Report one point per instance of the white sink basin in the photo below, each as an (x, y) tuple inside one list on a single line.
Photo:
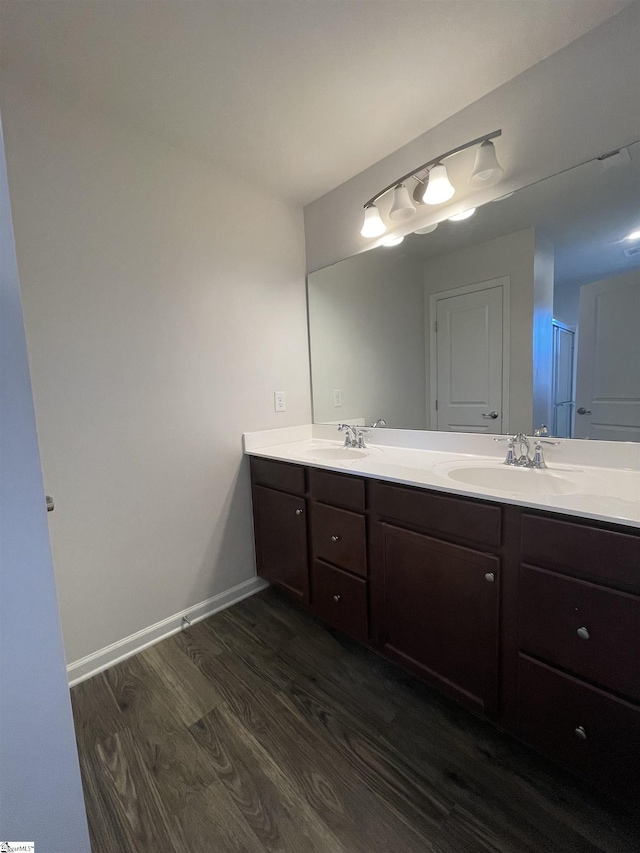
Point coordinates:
[(504, 478), (335, 454)]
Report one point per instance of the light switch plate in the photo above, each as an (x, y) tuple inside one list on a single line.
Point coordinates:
[(337, 398), (280, 401)]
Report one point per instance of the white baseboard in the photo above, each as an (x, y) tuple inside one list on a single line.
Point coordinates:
[(96, 662)]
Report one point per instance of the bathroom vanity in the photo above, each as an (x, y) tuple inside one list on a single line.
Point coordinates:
[(519, 606)]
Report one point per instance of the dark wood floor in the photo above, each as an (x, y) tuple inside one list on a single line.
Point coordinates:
[(258, 730)]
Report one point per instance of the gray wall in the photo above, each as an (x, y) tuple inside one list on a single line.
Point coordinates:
[(576, 104), (40, 792), (160, 320), (367, 339)]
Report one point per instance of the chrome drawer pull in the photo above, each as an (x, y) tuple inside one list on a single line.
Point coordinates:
[(337, 597), (298, 512), (490, 577), (335, 538), (583, 633), (581, 733)]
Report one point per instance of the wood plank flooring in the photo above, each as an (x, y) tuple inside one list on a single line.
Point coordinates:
[(260, 730)]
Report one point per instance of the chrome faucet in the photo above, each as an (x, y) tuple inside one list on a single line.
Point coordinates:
[(351, 436), (523, 458), (379, 423), (354, 435)]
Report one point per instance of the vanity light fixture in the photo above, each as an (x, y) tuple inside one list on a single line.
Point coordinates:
[(432, 184), (428, 229), (634, 235), (459, 217), (373, 225), (392, 241), (486, 171), (401, 207), (439, 188)]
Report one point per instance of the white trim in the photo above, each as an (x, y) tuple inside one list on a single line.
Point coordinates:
[(96, 662), (505, 283)]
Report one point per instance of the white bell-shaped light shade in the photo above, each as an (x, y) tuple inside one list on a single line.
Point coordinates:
[(459, 217), (401, 207), (392, 241), (428, 229), (418, 192), (486, 171), (438, 189), (373, 226)]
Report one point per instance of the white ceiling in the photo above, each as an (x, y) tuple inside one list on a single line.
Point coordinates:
[(299, 95)]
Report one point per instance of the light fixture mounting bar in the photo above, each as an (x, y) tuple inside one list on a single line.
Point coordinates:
[(414, 172)]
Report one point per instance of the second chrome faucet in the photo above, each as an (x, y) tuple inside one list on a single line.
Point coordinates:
[(519, 449)]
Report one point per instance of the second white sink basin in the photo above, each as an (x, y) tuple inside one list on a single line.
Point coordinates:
[(504, 478)]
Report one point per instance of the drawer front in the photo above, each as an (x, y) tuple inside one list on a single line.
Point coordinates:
[(592, 631), (340, 600), (473, 522), (582, 551), (278, 475), (582, 727), (337, 489), (339, 536)]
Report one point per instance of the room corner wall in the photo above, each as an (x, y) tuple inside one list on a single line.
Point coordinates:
[(40, 790), (159, 320)]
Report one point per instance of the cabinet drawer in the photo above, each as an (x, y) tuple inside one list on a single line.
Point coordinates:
[(582, 551), (340, 600), (278, 475), (459, 518), (337, 489), (553, 609), (582, 727), (339, 536)]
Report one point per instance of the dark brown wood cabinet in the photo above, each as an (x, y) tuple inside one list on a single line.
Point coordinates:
[(578, 684), (439, 613), (528, 618), (340, 600), (281, 541), (339, 550), (589, 730)]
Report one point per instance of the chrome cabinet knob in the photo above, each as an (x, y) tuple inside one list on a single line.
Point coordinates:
[(583, 411), (583, 633), (580, 733), (337, 597), (49, 502), (298, 512), (490, 577), (491, 416), (335, 538)]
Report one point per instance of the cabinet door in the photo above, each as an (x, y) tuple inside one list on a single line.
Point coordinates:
[(438, 608), (281, 541)]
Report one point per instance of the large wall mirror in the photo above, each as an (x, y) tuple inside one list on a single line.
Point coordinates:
[(527, 312)]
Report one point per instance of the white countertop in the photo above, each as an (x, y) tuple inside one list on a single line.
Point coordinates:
[(604, 492)]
